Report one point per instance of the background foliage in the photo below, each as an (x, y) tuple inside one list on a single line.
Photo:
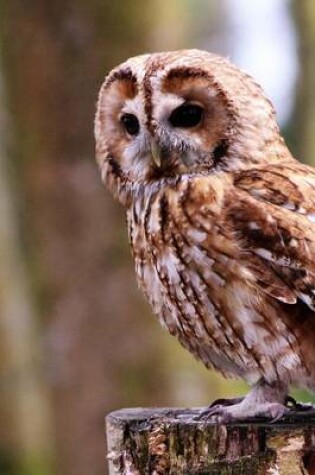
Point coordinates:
[(77, 338)]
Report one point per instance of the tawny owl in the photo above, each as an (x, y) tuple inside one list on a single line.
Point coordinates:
[(221, 218)]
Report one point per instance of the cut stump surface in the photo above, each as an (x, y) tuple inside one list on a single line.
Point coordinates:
[(171, 441)]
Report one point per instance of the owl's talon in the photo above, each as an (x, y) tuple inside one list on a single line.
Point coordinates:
[(215, 411), (277, 411), (222, 417), (205, 414), (217, 405), (226, 402)]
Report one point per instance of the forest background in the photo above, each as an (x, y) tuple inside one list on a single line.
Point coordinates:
[(77, 339)]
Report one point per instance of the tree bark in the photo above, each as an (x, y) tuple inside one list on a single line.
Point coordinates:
[(172, 441)]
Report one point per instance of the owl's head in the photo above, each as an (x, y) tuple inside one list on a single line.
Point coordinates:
[(163, 115)]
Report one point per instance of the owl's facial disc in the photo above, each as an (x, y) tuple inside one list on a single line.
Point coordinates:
[(165, 129)]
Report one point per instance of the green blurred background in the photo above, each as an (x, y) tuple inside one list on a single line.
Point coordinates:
[(77, 339)]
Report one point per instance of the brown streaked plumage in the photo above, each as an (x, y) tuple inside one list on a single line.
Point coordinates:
[(221, 218)]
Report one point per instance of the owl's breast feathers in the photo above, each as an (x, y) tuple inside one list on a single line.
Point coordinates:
[(228, 263)]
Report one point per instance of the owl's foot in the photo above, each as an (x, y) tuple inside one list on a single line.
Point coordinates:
[(264, 400), (238, 412), (227, 410)]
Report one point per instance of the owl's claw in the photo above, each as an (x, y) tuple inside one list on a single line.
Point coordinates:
[(239, 411), (227, 410), (226, 402), (265, 400), (207, 412)]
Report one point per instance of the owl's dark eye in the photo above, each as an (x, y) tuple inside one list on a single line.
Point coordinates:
[(130, 124), (186, 116)]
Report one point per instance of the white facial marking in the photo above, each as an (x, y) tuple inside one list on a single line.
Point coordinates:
[(165, 103)]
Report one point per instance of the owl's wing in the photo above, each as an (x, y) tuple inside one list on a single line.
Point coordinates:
[(272, 212)]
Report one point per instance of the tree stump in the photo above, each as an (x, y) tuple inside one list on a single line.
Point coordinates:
[(171, 441)]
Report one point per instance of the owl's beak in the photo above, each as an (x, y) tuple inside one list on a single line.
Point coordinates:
[(156, 153)]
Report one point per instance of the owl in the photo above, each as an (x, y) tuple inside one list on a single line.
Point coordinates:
[(221, 219)]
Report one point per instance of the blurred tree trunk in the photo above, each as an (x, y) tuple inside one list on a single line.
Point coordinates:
[(56, 55), (24, 409), (303, 122)]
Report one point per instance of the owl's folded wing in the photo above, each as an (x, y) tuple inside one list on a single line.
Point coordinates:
[(272, 213)]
